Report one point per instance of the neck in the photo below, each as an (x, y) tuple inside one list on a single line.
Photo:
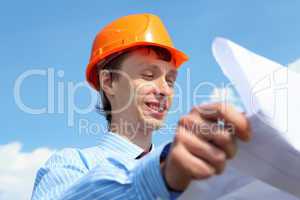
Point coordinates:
[(136, 134)]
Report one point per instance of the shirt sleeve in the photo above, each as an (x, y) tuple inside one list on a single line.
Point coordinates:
[(106, 181), (58, 174)]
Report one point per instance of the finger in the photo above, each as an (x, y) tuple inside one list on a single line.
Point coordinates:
[(193, 166), (227, 112), (205, 151), (195, 124), (224, 140), (211, 132)]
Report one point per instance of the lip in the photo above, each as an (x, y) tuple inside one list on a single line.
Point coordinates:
[(156, 113)]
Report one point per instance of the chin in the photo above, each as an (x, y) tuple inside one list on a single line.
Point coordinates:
[(153, 123), (150, 122)]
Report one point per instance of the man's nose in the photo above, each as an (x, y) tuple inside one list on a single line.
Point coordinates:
[(163, 88)]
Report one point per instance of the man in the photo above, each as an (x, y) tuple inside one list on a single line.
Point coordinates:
[(134, 66)]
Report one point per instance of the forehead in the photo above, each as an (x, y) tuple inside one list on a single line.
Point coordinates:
[(147, 57)]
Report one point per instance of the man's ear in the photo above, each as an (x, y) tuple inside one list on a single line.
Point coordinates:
[(106, 82)]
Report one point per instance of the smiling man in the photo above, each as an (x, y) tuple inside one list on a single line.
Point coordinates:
[(134, 66)]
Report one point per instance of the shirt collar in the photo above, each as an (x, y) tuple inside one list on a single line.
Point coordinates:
[(117, 144)]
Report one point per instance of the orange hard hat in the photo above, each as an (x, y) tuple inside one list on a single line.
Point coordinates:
[(127, 32)]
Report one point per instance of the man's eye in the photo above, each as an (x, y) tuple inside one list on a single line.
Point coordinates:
[(170, 83), (148, 76)]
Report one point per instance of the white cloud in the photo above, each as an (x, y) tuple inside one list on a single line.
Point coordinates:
[(295, 66), (18, 170)]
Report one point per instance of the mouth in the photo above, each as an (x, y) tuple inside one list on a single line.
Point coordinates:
[(158, 109)]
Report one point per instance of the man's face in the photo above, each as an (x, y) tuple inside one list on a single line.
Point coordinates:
[(144, 89)]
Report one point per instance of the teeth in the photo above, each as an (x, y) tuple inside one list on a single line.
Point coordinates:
[(153, 107), (159, 108)]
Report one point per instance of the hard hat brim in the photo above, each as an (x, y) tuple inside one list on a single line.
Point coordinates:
[(92, 73)]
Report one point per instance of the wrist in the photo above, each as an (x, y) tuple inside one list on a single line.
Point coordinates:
[(163, 167)]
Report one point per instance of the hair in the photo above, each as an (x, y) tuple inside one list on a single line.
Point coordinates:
[(114, 62)]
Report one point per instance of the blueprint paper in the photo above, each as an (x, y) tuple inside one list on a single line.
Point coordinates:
[(271, 97)]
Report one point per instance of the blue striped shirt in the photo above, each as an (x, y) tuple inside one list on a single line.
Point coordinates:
[(106, 171)]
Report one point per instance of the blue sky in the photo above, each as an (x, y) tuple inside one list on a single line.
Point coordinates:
[(55, 34)]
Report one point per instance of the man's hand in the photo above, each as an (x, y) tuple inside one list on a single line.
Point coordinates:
[(202, 145)]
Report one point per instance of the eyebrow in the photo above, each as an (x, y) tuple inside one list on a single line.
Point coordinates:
[(153, 66), (173, 72), (156, 67)]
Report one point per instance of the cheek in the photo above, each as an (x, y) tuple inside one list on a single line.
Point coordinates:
[(170, 99), (124, 93), (143, 89)]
